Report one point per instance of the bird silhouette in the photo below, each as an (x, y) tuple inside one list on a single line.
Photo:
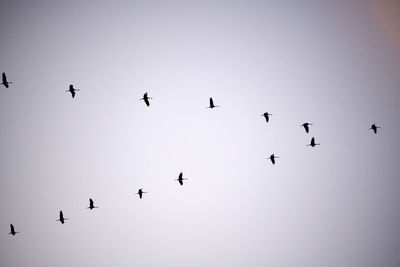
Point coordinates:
[(12, 231), (212, 104), (62, 219), (180, 178), (146, 99), (374, 128), (72, 90), (5, 82), (272, 158), (140, 193), (266, 116), (305, 125), (312, 143), (91, 204)]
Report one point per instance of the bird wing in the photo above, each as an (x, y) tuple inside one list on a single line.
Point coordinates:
[(61, 215), (91, 202), (180, 181), (146, 100), (306, 128), (181, 175), (211, 102), (4, 78), (12, 228)]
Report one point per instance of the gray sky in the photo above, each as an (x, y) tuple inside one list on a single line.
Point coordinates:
[(332, 63)]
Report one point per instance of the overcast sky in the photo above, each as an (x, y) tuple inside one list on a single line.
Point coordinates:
[(331, 63)]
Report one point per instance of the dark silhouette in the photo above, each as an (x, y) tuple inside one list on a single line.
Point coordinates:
[(12, 231), (140, 193), (305, 125), (72, 90), (180, 178), (272, 158), (5, 82), (62, 219), (212, 104), (91, 204), (312, 143), (146, 99), (266, 116), (374, 128)]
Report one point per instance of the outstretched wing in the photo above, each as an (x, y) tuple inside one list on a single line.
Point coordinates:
[(4, 78), (306, 128), (146, 100), (211, 102)]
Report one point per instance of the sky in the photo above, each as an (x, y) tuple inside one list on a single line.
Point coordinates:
[(331, 63)]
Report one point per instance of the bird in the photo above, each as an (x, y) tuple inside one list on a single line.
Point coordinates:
[(146, 99), (180, 178), (374, 128), (272, 158), (312, 143), (140, 193), (91, 204), (62, 219), (266, 116), (72, 90), (305, 125), (12, 231), (5, 82), (212, 104)]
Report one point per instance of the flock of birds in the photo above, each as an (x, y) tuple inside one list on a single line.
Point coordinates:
[(180, 179)]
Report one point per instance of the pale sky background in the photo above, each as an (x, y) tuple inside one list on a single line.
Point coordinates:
[(332, 63)]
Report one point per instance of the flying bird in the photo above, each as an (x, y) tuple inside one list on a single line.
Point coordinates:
[(91, 204), (5, 82), (62, 219), (12, 231), (266, 116), (212, 104), (374, 128), (305, 125), (180, 178), (312, 143), (146, 99), (72, 90), (272, 158), (140, 193)]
